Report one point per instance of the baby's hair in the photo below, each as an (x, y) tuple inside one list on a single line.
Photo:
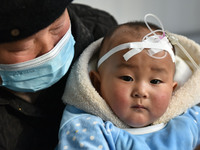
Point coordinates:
[(133, 24)]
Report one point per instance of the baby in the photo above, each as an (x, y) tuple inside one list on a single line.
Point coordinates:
[(134, 79)]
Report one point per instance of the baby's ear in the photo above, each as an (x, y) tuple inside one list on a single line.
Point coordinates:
[(95, 79), (174, 85)]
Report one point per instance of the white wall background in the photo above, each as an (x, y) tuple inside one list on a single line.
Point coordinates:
[(178, 16)]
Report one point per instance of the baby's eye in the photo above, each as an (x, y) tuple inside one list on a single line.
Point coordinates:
[(155, 81), (126, 78)]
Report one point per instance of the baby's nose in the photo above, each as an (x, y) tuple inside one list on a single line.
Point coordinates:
[(140, 91)]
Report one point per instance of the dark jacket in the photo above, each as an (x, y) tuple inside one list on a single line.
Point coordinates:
[(25, 126)]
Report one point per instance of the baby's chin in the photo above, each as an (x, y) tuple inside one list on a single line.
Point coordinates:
[(140, 124)]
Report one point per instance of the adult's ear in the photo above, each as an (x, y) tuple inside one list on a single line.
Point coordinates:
[(95, 79)]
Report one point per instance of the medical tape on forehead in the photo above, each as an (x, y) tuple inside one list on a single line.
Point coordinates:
[(137, 47)]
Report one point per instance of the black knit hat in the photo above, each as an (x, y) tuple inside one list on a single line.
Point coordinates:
[(22, 18)]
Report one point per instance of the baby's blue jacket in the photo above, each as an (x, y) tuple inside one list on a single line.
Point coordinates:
[(80, 130)]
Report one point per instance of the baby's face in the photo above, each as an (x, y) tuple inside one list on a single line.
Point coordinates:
[(138, 90)]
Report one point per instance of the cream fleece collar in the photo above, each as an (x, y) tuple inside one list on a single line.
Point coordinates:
[(80, 93)]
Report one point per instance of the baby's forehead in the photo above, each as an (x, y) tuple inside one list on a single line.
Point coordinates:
[(143, 60), (121, 35)]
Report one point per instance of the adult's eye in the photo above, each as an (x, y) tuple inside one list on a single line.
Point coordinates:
[(55, 30), (155, 81), (126, 78)]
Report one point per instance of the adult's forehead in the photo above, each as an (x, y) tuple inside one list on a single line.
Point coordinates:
[(22, 18)]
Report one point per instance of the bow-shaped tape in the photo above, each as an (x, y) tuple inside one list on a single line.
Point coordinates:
[(154, 45)]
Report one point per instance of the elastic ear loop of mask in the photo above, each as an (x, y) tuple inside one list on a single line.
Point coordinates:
[(174, 41)]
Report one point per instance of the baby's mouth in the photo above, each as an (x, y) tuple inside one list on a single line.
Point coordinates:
[(139, 107)]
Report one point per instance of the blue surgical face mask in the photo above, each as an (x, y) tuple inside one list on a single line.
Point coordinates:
[(41, 72)]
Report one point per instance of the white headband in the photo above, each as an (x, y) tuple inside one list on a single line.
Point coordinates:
[(151, 42), (155, 43)]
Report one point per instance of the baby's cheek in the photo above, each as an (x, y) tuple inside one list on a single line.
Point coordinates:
[(162, 101), (121, 99)]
